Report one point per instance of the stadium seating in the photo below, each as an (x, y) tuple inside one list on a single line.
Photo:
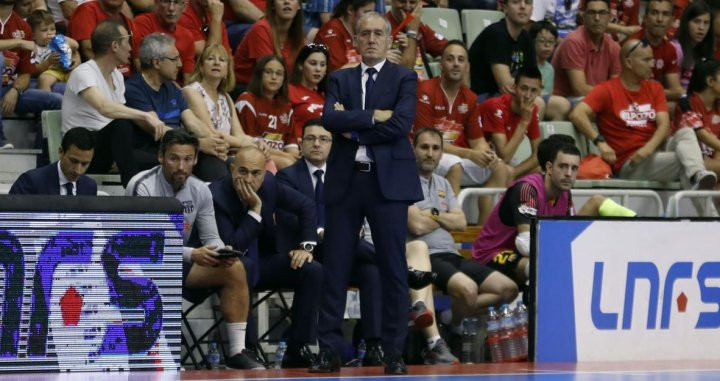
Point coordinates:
[(475, 20), (444, 21)]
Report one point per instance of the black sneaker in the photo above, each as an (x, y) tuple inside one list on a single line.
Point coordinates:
[(420, 279), (245, 360)]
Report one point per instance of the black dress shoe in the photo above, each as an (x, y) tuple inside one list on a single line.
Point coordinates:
[(246, 359), (394, 364), (327, 362), (420, 279), (298, 357), (373, 355)]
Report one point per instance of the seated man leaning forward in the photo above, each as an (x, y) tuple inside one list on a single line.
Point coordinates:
[(202, 267), (504, 241)]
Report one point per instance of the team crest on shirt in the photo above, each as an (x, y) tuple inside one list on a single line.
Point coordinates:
[(638, 115), (498, 113), (425, 99), (463, 108), (285, 118), (659, 63), (18, 33)]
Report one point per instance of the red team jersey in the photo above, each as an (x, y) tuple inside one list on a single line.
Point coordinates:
[(257, 43), (496, 116), (666, 59), (306, 104), (86, 17), (197, 25), (148, 23), (270, 120), (229, 14), (698, 117), (456, 123), (17, 61), (336, 37), (626, 118)]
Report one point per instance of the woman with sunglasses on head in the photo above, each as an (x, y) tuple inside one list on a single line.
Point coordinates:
[(279, 33), (266, 113), (337, 34), (307, 84), (208, 98), (701, 111), (695, 40)]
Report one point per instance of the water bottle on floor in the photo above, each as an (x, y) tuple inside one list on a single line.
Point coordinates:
[(508, 340), (521, 319), (213, 355), (468, 338), (493, 335), (280, 353)]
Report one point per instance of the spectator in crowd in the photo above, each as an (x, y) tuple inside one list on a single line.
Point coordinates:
[(500, 50), (308, 81), (266, 113), (504, 242), (47, 62), (95, 98), (317, 13), (246, 202), (544, 37), (447, 104), (208, 98), (16, 47), (279, 33), (632, 119), (701, 113), (239, 16), (307, 176), (86, 19), (24, 8), (370, 110), (66, 177), (204, 19), (588, 55), (58, 11), (471, 285), (421, 39), (153, 90), (203, 270), (658, 16), (562, 13), (624, 17), (678, 10), (338, 33), (164, 19), (695, 39), (508, 119)]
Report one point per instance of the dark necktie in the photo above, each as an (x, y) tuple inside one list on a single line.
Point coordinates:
[(369, 85), (319, 194), (69, 189)]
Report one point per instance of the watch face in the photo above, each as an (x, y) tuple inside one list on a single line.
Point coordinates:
[(308, 247)]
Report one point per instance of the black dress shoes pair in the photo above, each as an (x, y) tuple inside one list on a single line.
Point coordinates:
[(298, 357), (329, 362)]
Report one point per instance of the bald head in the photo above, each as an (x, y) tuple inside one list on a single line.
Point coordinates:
[(637, 60), (249, 167)]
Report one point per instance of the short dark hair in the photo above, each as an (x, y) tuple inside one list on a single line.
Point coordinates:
[(607, 2), (342, 7), (426, 130), (80, 137), (178, 136), (104, 35), (547, 25), (549, 148), (454, 42), (40, 17), (310, 123), (256, 86), (531, 72)]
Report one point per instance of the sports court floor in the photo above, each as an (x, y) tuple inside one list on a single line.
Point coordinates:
[(626, 371)]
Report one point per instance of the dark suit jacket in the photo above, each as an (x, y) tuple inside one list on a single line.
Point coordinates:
[(296, 176), (395, 89), (240, 230), (45, 180)]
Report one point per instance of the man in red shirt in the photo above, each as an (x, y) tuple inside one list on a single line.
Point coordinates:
[(447, 104), (165, 20), (87, 16), (421, 39), (632, 118), (506, 120), (658, 16), (203, 18), (588, 55)]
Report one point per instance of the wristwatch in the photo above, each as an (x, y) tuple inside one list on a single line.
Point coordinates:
[(435, 213), (599, 139), (307, 246)]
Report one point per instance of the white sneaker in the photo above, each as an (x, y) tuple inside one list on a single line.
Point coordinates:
[(704, 180), (4, 144)]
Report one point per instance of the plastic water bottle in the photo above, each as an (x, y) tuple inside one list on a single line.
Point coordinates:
[(521, 320), (510, 349), (468, 337), (361, 348), (493, 335), (280, 353), (213, 355)]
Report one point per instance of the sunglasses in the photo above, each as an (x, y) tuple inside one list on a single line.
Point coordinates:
[(317, 47), (644, 42)]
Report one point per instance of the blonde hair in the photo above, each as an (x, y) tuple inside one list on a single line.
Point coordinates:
[(227, 84)]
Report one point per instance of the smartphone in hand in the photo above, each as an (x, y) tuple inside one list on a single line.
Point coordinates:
[(230, 253)]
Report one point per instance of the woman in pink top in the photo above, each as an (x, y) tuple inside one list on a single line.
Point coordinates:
[(307, 84)]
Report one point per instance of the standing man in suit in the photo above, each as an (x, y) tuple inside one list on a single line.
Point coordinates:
[(67, 175), (370, 174), (246, 203)]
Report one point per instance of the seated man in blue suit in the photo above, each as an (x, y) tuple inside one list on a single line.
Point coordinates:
[(246, 202), (67, 175), (307, 176)]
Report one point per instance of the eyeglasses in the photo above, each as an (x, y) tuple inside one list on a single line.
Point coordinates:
[(313, 139), (315, 46), (173, 59), (129, 37), (176, 2), (593, 13), (644, 42), (545, 42)]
